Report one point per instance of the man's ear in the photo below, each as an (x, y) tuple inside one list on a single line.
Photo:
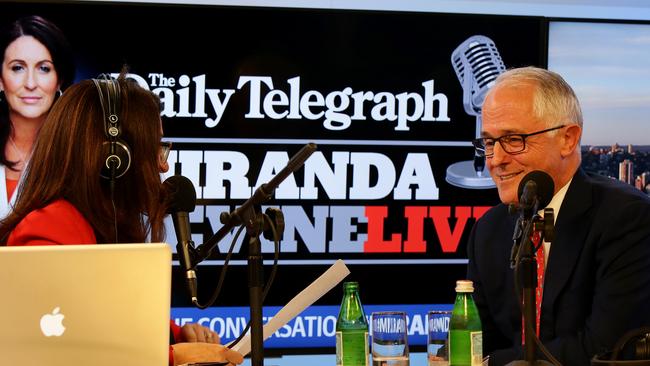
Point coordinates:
[(571, 139)]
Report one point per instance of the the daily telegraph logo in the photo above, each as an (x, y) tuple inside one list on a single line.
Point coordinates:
[(337, 109), (345, 201)]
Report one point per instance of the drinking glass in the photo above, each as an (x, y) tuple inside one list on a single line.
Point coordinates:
[(437, 337), (389, 339)]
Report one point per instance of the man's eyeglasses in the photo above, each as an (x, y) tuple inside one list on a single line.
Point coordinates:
[(512, 143), (165, 147)]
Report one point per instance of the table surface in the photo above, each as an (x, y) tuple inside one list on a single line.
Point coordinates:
[(416, 359)]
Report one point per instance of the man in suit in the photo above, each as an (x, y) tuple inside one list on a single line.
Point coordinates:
[(596, 282)]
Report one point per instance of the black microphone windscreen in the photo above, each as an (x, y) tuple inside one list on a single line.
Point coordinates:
[(181, 193), (545, 186)]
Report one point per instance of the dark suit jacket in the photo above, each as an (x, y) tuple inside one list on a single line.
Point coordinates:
[(597, 281)]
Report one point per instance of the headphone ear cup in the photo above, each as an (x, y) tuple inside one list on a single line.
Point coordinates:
[(120, 159)]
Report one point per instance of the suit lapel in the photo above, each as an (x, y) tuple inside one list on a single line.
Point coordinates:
[(570, 232)]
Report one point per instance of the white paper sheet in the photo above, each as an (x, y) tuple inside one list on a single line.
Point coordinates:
[(335, 274)]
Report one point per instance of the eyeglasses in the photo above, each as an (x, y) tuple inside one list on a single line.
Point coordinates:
[(165, 147), (514, 143)]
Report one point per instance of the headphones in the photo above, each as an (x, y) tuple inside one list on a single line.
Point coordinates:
[(641, 350), (116, 152)]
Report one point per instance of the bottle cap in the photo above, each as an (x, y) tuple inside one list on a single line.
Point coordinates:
[(464, 286)]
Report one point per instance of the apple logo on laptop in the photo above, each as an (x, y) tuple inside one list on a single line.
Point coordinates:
[(52, 324)]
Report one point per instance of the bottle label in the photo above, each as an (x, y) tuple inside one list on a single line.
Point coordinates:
[(477, 348), (352, 348), (339, 349)]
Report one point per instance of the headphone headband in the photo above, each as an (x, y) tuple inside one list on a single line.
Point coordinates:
[(110, 103), (117, 153)]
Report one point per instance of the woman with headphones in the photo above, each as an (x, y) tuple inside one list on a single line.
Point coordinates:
[(94, 177)]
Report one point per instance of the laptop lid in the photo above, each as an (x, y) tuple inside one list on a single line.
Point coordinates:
[(85, 305)]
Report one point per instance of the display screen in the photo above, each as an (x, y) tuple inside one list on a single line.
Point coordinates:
[(244, 89)]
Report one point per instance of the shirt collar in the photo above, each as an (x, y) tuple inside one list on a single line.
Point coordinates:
[(556, 201)]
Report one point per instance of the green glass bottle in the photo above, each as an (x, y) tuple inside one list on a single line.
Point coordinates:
[(465, 335), (351, 329)]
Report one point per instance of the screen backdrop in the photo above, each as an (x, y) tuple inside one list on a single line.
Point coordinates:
[(244, 89)]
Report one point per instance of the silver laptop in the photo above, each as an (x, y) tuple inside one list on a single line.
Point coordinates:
[(85, 305)]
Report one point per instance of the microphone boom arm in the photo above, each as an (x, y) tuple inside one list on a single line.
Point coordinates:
[(246, 213)]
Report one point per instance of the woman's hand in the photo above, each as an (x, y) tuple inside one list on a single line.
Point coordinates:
[(204, 352), (192, 332)]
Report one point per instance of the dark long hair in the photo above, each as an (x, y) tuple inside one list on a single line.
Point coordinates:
[(68, 158), (53, 39)]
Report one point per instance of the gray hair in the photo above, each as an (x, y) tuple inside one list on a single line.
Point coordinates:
[(554, 101)]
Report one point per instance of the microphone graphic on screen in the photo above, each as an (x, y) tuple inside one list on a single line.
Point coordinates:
[(182, 201), (477, 64)]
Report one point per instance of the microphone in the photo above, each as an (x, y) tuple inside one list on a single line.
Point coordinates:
[(477, 64), (535, 191), (182, 201)]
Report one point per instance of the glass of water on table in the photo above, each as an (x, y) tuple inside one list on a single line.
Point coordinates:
[(389, 339), (437, 338)]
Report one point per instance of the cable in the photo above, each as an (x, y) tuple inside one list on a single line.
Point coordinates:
[(222, 275), (224, 270), (112, 192)]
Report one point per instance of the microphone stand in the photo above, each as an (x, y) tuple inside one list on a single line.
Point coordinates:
[(528, 264), (523, 248), (255, 290), (255, 283), (250, 215)]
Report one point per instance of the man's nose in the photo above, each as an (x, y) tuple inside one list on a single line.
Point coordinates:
[(499, 154)]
